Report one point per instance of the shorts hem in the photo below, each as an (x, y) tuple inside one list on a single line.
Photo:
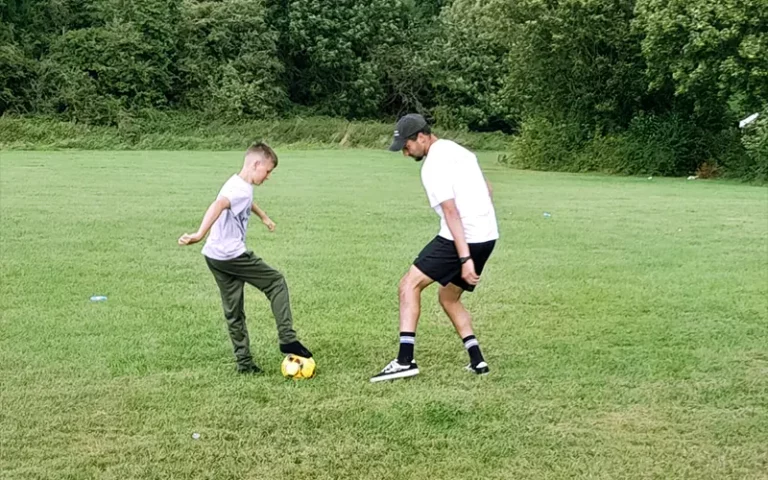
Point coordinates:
[(431, 276)]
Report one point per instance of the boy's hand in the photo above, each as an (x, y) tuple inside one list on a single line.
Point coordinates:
[(189, 239), (269, 223)]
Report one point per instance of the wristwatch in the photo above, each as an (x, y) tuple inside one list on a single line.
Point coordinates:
[(464, 260)]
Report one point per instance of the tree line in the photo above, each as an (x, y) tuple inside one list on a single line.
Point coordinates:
[(630, 86)]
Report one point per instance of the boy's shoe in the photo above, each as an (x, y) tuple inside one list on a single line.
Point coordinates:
[(395, 370), (480, 369), (296, 348), (251, 369)]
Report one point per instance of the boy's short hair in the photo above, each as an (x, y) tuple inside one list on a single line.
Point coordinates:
[(264, 150)]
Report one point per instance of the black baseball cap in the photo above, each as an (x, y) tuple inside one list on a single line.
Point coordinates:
[(408, 125)]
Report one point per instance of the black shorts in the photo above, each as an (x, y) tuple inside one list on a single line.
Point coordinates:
[(439, 260)]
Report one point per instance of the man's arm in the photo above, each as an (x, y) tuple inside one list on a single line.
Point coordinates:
[(453, 219), (211, 215), (490, 187), (263, 216)]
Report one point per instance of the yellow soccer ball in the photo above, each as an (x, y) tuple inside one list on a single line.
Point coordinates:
[(308, 369), (297, 367)]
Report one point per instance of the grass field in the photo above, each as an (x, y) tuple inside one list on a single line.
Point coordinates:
[(627, 333)]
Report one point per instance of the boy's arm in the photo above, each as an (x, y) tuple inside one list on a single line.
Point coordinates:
[(211, 215), (263, 216)]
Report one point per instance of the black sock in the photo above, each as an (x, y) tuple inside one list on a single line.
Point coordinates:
[(407, 341), (473, 348)]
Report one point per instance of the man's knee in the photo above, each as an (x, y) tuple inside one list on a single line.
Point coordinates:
[(449, 298), (413, 283), (408, 285)]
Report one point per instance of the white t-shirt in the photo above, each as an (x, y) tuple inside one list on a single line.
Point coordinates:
[(227, 237), (450, 171)]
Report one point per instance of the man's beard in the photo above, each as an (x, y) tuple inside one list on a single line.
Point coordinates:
[(418, 159)]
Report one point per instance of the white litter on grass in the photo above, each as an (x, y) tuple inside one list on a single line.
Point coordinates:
[(547, 214), (196, 436), (692, 177), (748, 120), (650, 178)]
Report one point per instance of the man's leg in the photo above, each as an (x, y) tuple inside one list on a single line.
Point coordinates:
[(411, 286), (232, 301), (450, 300)]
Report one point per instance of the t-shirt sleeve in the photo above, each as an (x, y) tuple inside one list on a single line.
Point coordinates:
[(238, 199), (439, 182)]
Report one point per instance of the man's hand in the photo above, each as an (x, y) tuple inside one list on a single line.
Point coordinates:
[(269, 223), (189, 239), (468, 272)]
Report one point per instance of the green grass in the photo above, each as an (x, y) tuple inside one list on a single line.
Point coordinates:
[(627, 334)]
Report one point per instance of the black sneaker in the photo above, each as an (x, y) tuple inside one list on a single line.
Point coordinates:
[(395, 370), (251, 369), (296, 348), (480, 369)]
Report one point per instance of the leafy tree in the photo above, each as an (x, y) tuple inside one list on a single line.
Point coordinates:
[(229, 63), (708, 53)]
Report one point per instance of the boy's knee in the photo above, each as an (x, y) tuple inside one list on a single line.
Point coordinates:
[(277, 284)]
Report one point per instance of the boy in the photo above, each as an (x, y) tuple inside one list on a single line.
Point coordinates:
[(233, 265)]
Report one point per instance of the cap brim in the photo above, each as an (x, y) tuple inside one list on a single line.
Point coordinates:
[(397, 145)]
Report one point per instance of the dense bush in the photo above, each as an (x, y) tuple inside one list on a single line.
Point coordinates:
[(755, 141), (626, 86), (708, 53), (332, 50), (152, 129), (228, 63), (469, 68), (17, 75)]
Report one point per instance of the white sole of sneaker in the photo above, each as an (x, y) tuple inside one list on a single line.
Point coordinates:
[(479, 374), (395, 376)]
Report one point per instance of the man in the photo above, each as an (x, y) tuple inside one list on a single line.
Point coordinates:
[(233, 265), (456, 188)]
